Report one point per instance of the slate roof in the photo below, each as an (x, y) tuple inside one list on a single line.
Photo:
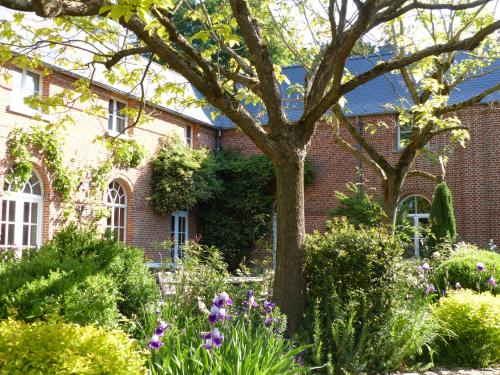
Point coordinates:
[(372, 97)]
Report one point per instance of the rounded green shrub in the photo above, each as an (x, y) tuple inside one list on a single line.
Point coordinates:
[(81, 275), (474, 320), (59, 348), (351, 275), (461, 267)]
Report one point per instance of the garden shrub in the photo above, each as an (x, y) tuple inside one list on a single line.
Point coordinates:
[(474, 320), (181, 176), (442, 216), (358, 207), (240, 213), (83, 276), (351, 277), (60, 348), (461, 267)]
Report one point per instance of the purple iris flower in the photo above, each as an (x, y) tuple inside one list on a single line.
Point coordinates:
[(158, 311), (214, 313), (162, 327), (155, 342), (269, 306), (223, 299), (429, 289), (222, 314), (250, 293), (212, 339), (492, 282), (480, 266), (268, 321), (425, 267), (458, 285)]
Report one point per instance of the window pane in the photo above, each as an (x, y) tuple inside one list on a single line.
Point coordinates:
[(12, 210), (172, 226), (34, 212), (120, 124), (10, 235), (26, 229), (122, 234), (4, 209), (27, 188), (32, 83), (122, 217), (17, 77), (33, 235), (3, 235), (117, 216), (109, 218), (423, 206), (26, 212), (119, 107), (110, 116), (115, 234)]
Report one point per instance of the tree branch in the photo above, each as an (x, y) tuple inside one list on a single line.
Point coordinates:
[(262, 61), (419, 173), (56, 8), (466, 103), (118, 56), (356, 153), (377, 158), (446, 130)]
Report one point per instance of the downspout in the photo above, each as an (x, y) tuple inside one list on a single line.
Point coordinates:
[(359, 162), (218, 140)]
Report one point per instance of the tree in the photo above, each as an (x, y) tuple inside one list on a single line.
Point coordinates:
[(442, 217), (336, 25), (428, 112)]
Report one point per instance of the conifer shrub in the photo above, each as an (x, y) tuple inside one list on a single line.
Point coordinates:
[(61, 348), (442, 216)]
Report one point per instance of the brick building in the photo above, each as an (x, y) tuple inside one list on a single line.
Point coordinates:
[(32, 215)]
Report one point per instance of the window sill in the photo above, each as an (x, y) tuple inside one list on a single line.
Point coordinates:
[(22, 109), (114, 134)]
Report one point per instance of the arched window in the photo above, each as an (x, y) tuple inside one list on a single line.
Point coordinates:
[(21, 220), (415, 210), (116, 200)]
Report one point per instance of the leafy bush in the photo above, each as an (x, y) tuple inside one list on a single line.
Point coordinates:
[(474, 320), (358, 207), (59, 348), (81, 275), (240, 213), (181, 177), (461, 267), (352, 285)]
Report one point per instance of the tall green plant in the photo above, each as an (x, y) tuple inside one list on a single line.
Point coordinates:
[(442, 217)]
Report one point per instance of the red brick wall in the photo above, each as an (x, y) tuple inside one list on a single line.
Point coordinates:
[(145, 227), (473, 174)]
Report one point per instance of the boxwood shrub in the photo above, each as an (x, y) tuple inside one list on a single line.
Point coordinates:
[(462, 267), (85, 277), (474, 320), (352, 285), (60, 348)]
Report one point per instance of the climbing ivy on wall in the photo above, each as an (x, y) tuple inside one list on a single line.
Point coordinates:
[(233, 195), (47, 141)]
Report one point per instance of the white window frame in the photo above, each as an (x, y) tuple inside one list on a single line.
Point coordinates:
[(188, 140), (176, 247), (416, 217), (20, 198), (399, 147), (17, 104), (115, 115), (112, 206)]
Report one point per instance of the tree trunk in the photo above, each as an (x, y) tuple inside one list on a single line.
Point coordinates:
[(289, 281), (391, 191)]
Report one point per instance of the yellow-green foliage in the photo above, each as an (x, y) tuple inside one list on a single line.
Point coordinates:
[(475, 321), (59, 348)]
